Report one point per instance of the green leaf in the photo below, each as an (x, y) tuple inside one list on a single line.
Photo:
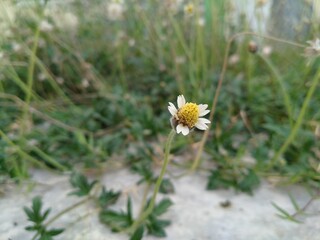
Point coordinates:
[(81, 184), (143, 169), (138, 234), (156, 227), (108, 198), (55, 232), (294, 203), (129, 209), (284, 214), (36, 207), (162, 207), (35, 216), (249, 182), (166, 186), (30, 228), (45, 236), (216, 180), (29, 213), (34, 213), (45, 215), (116, 220)]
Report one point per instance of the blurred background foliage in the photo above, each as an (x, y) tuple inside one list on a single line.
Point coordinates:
[(85, 82)]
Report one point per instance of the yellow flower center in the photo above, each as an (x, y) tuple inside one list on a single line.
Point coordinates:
[(189, 8), (188, 115)]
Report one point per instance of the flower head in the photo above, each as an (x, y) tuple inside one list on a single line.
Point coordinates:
[(188, 116), (45, 26), (313, 51), (115, 10), (314, 48), (189, 9)]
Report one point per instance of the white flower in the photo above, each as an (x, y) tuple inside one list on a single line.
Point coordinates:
[(173, 5), (314, 48), (65, 21), (42, 77), (267, 50), (115, 10), (201, 22), (234, 59), (313, 51), (131, 42), (45, 26), (180, 60), (188, 115), (16, 47), (85, 83), (315, 45), (189, 9)]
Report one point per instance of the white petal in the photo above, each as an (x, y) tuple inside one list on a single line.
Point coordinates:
[(202, 107), (182, 129), (185, 131), (172, 109), (204, 120), (203, 113), (201, 124), (181, 101)]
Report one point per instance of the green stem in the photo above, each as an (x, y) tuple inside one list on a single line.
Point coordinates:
[(286, 97), (298, 123), (68, 209), (30, 76), (144, 198), (121, 68), (49, 159), (185, 48), (22, 154), (150, 207)]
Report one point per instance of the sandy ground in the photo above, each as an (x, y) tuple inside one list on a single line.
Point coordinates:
[(196, 214)]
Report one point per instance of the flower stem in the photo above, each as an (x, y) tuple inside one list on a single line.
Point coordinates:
[(150, 207)]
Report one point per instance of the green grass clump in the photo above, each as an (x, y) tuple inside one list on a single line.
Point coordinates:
[(81, 83)]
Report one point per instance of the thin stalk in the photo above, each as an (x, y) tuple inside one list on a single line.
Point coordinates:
[(144, 198), (22, 154), (121, 68), (42, 115), (16, 167), (49, 159), (1, 86), (68, 209), (218, 89), (298, 123), (286, 97), (52, 82), (184, 46), (12, 74), (30, 79), (150, 207)]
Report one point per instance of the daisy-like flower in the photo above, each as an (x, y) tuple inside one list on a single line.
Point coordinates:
[(313, 51), (314, 48), (189, 9), (116, 10), (188, 116)]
